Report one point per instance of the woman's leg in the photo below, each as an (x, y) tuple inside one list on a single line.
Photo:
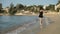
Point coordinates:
[(40, 21)]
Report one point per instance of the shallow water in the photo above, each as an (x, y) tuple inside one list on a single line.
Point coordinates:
[(10, 22)]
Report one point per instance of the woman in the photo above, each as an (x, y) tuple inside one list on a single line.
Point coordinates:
[(41, 16)]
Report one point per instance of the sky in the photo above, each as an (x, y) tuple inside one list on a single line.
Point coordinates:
[(6, 3)]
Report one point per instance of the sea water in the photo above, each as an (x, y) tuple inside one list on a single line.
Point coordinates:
[(27, 24)]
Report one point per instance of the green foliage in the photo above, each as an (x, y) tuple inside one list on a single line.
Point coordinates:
[(1, 11), (50, 7), (12, 9), (47, 8), (13, 12), (19, 6), (32, 8), (58, 2), (40, 6), (58, 9)]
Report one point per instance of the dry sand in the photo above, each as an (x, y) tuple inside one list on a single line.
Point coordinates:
[(53, 28)]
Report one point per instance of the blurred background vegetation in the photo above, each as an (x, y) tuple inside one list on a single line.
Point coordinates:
[(12, 10)]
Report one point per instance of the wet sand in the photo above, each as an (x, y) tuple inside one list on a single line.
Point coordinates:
[(53, 28)]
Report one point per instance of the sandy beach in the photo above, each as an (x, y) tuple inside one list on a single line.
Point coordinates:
[(53, 28)]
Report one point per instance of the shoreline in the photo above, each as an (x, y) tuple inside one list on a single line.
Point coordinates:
[(29, 14), (50, 28)]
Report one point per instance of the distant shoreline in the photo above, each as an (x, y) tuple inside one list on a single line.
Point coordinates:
[(29, 14)]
